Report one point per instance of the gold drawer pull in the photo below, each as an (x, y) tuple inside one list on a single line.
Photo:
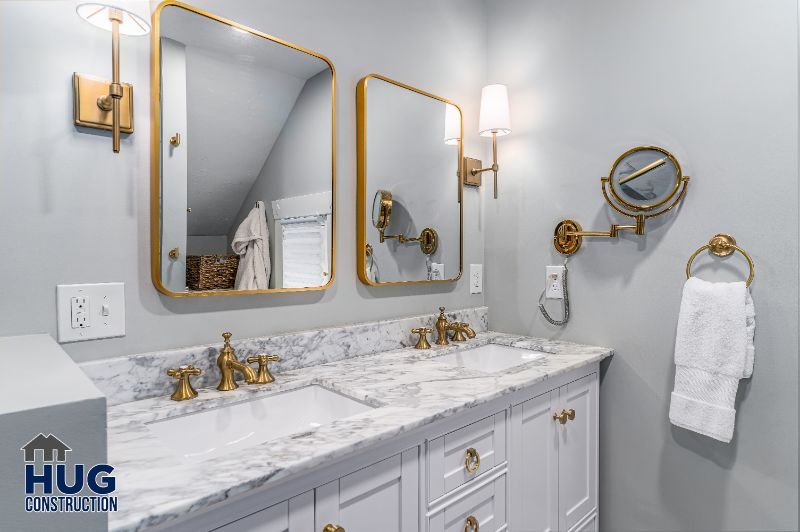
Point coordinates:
[(564, 416), (472, 461), (332, 528), (471, 524)]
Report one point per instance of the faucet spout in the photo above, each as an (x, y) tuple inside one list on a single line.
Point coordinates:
[(228, 364), (468, 330), (247, 372)]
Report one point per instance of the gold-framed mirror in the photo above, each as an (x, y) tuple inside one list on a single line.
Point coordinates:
[(409, 157), (243, 159), (644, 182)]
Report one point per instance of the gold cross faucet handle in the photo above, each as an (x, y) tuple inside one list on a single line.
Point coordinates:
[(184, 389), (264, 376), (423, 333)]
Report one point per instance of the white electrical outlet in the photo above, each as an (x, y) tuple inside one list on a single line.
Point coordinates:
[(79, 311), (437, 271), (90, 311), (554, 287), (475, 278)]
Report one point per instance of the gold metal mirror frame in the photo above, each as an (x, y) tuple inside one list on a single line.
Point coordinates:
[(568, 235), (155, 154), (428, 239)]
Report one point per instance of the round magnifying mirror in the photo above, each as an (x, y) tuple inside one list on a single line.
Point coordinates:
[(381, 209), (645, 178)]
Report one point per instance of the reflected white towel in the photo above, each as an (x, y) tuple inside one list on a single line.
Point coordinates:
[(251, 243), (713, 350)]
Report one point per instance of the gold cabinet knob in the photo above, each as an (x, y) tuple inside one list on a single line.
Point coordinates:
[(564, 416), (332, 528), (174, 253), (175, 140), (472, 460), (264, 376), (184, 389), (471, 524), (423, 333)]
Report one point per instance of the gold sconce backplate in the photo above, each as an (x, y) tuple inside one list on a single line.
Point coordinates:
[(564, 238), (472, 175), (87, 90)]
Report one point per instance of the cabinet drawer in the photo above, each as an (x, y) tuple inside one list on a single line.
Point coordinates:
[(486, 504), (447, 455)]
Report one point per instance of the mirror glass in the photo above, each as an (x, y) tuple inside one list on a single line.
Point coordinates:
[(645, 178), (245, 159), (409, 152)]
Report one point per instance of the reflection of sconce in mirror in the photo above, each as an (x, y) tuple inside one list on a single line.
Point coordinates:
[(99, 103), (644, 182), (495, 121), (381, 217)]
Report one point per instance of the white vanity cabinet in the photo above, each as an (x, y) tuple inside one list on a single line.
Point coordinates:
[(553, 471), (295, 514), (381, 497), (503, 466)]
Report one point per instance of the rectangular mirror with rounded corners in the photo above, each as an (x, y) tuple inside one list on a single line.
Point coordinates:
[(409, 209), (243, 155)]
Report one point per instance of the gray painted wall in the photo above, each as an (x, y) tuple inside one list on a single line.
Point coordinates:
[(716, 83), (76, 212)]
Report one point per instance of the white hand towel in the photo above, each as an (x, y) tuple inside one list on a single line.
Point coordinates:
[(713, 350), (251, 243)]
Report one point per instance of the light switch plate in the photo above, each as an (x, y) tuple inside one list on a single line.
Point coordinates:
[(90, 311), (475, 278)]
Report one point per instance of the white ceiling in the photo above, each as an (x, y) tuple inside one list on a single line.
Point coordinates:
[(240, 91)]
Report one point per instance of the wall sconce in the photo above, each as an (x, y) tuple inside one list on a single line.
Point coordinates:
[(494, 122), (99, 103)]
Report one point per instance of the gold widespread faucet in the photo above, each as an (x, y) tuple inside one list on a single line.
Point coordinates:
[(458, 328), (228, 363)]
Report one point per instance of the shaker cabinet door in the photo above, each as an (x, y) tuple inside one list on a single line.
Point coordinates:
[(577, 451), (534, 471), (383, 496), (294, 515)]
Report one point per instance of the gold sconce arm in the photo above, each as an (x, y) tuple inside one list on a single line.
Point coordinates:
[(494, 168)]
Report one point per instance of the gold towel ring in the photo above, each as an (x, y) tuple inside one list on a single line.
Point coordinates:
[(722, 245)]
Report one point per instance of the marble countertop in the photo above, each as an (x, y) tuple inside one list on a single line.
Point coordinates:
[(155, 486)]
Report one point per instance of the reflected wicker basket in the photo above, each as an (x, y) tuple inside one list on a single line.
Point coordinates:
[(211, 272)]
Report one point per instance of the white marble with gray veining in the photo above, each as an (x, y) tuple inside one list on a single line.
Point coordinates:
[(141, 376), (155, 486)]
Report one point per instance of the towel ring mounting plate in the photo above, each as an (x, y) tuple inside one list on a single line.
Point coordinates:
[(722, 245)]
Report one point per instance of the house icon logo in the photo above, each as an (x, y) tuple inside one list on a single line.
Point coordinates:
[(55, 484), (52, 449)]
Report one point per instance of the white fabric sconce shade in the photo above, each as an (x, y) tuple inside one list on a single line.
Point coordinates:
[(494, 117), (452, 125), (132, 23)]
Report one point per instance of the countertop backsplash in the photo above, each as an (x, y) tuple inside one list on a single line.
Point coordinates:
[(141, 376)]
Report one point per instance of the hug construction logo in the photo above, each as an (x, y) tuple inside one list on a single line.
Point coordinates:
[(53, 486)]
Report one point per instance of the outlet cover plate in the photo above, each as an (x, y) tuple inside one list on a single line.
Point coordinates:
[(475, 278), (105, 305)]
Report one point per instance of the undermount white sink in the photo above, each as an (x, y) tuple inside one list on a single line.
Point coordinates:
[(491, 358), (227, 429)]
